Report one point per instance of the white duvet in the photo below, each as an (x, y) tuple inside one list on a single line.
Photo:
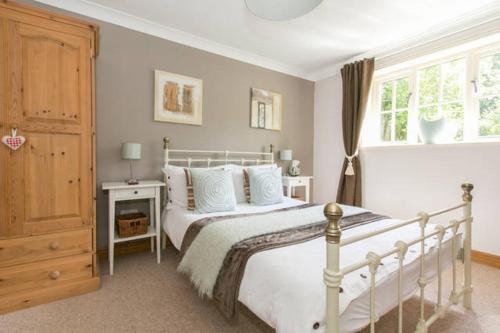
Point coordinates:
[(284, 286)]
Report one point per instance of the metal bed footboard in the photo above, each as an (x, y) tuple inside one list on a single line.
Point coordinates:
[(334, 273)]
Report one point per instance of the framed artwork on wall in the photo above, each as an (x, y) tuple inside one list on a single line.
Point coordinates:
[(266, 109), (178, 98)]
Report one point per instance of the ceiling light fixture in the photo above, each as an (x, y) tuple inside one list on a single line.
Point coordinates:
[(281, 10)]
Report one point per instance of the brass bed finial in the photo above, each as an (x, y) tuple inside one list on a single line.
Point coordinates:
[(166, 142), (467, 188), (333, 214)]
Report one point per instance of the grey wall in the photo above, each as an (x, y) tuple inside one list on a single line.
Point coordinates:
[(124, 107)]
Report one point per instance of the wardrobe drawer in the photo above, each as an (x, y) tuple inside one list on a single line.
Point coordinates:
[(22, 250), (131, 194), (46, 273)]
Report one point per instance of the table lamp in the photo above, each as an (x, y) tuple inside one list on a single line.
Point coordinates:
[(131, 151)]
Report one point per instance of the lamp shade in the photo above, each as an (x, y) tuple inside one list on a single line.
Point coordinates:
[(286, 154), (131, 151)]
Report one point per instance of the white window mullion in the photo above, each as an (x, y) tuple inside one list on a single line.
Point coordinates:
[(393, 112), (471, 107), (440, 92), (376, 116), (412, 109)]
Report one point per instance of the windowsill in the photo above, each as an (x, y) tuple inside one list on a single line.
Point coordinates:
[(486, 142)]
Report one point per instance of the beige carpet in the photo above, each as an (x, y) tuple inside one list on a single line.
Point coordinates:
[(145, 297)]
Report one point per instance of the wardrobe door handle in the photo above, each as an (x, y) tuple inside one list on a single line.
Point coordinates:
[(54, 275), (135, 192), (54, 245)]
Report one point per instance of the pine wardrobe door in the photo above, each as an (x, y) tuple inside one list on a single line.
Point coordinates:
[(4, 151), (50, 104)]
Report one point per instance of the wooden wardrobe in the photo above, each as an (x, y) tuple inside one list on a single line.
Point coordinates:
[(47, 186)]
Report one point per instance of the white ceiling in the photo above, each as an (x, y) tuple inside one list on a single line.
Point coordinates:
[(309, 46)]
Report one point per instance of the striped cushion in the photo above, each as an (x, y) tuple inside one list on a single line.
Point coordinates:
[(189, 186), (246, 185)]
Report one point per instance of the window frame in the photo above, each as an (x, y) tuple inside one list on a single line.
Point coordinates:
[(372, 125)]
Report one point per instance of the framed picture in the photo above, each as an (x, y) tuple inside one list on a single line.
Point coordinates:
[(266, 109), (178, 98)]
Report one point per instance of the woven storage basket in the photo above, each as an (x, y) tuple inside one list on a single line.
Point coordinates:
[(132, 224)]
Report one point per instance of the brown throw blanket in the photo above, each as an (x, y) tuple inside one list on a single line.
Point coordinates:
[(226, 289)]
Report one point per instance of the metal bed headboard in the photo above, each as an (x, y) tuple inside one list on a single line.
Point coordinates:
[(213, 156), (229, 156)]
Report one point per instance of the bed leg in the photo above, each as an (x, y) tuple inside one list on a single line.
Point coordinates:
[(163, 240), (332, 274), (467, 198)]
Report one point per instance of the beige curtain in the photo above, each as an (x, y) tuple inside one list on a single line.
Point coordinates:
[(356, 82)]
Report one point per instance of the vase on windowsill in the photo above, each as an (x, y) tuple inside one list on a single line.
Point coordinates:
[(431, 130)]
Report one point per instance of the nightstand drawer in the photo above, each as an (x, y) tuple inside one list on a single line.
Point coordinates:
[(297, 182), (130, 194)]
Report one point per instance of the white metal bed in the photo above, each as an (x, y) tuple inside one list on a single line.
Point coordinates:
[(334, 271)]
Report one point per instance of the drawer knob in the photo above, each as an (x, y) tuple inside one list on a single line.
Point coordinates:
[(54, 275), (54, 245), (135, 192)]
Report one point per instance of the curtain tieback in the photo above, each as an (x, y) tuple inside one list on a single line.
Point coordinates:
[(349, 171)]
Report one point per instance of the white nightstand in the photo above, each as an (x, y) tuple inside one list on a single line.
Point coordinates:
[(290, 183), (121, 191)]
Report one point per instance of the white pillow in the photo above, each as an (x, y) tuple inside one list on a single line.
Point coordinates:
[(266, 187), (177, 185), (239, 178), (213, 191)]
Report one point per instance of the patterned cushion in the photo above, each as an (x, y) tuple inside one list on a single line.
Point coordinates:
[(266, 187), (213, 190), (177, 187), (242, 189)]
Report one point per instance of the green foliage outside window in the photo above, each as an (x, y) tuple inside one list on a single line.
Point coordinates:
[(441, 94), (398, 91), (489, 100)]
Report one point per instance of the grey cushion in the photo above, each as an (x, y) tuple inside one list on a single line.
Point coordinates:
[(266, 187), (213, 190)]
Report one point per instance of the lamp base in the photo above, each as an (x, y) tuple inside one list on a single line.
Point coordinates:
[(132, 181)]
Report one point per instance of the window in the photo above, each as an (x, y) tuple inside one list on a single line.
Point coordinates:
[(441, 94), (462, 89), (394, 110), (489, 95)]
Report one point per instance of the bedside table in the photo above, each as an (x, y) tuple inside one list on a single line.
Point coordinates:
[(121, 191), (290, 183)]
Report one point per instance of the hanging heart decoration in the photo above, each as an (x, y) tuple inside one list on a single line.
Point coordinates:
[(13, 141)]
